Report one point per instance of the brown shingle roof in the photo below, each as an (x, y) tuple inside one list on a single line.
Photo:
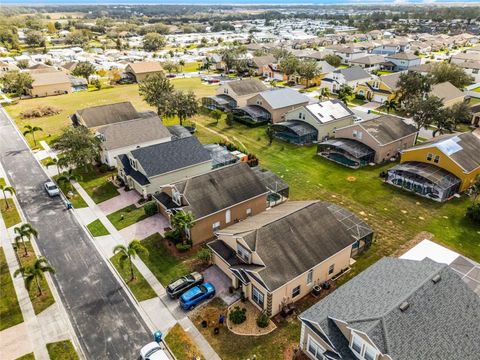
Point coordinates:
[(387, 128), (49, 78), (146, 67), (107, 114), (246, 86), (446, 91)]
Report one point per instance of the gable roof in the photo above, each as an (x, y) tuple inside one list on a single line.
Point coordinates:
[(403, 56), (170, 156), (280, 98), (291, 238), (108, 114), (261, 61), (446, 91), (435, 325), (462, 148), (246, 86), (49, 78), (146, 67), (391, 80), (385, 129), (353, 73), (220, 189), (329, 110), (369, 60), (131, 132)]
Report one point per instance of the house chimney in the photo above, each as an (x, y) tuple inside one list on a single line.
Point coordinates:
[(404, 306), (436, 278)]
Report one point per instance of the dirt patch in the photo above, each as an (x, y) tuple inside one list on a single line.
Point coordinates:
[(351, 179), (412, 243)]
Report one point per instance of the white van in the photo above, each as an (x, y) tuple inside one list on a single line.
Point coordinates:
[(153, 351)]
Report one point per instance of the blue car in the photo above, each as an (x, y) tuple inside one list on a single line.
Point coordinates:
[(196, 295)]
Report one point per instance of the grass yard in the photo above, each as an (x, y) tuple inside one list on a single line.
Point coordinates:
[(97, 184), (42, 302), (191, 66), (62, 350), (27, 357), (10, 312), (182, 344), (140, 288), (76, 199), (194, 84), (477, 89), (127, 216), (10, 216), (96, 228), (163, 265), (2, 182)]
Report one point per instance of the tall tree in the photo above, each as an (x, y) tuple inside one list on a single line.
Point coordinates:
[(461, 113), (425, 111), (78, 146), (182, 222), (35, 273), (11, 190), (270, 132), (34, 38), (84, 69), (60, 163), (129, 253), (216, 115), (333, 60), (17, 82), (182, 104), (156, 90), (289, 65), (31, 130), (308, 70), (67, 177), (442, 72), (22, 63), (324, 93), (413, 84), (24, 231), (153, 41)]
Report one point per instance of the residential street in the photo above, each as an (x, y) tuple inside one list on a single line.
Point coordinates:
[(106, 322)]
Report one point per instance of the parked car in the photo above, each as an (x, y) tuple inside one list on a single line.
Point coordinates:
[(196, 295), (51, 188), (153, 351), (179, 286)]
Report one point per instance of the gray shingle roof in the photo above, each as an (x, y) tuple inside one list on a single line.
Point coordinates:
[(441, 322), (170, 156), (387, 128), (108, 114), (247, 86), (220, 189), (391, 80), (353, 73), (446, 91), (281, 98)]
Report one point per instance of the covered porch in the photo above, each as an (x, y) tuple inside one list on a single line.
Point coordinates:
[(252, 115), (296, 132), (426, 180), (346, 152)]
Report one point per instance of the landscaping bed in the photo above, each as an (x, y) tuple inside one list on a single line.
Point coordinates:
[(10, 216), (10, 312), (62, 350), (127, 216), (27, 357), (96, 228), (181, 344), (249, 326)]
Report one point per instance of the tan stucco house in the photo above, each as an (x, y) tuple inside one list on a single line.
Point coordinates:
[(216, 199), (140, 70), (49, 83), (277, 256)]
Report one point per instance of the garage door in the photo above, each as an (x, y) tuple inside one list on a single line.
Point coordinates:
[(379, 98)]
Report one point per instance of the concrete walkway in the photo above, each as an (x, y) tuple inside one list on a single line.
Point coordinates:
[(160, 312)]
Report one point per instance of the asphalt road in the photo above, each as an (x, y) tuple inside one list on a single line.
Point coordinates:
[(107, 324)]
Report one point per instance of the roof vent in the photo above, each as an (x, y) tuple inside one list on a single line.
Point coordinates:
[(436, 278), (404, 306)]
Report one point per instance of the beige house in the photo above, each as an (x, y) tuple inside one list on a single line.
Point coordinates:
[(397, 309), (148, 168), (279, 255), (49, 83), (370, 141), (6, 67), (141, 70), (449, 94), (216, 199)]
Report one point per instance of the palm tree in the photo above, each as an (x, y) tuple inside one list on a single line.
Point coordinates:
[(324, 93), (35, 273), (61, 163), (181, 64), (182, 222), (390, 105), (67, 177), (29, 129), (11, 190), (444, 124), (24, 231), (133, 249)]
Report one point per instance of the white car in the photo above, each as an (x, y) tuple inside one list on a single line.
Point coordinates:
[(51, 188), (153, 351)]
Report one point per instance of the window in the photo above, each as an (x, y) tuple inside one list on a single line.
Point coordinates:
[(299, 115), (296, 291), (133, 164), (176, 197), (429, 157), (331, 269), (216, 226), (315, 349), (249, 212), (257, 296), (310, 277), (228, 216), (243, 253), (356, 345), (363, 350), (370, 353), (437, 159)]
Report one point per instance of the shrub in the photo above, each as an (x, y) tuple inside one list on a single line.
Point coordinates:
[(173, 235), (473, 213), (183, 247), (263, 320), (39, 112), (237, 315), (204, 255), (360, 96), (150, 208)]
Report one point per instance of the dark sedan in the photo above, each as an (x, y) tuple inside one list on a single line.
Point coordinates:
[(178, 287)]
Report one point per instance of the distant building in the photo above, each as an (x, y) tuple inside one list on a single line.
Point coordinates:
[(140, 70), (49, 83)]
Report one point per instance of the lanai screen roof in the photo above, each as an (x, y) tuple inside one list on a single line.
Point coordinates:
[(354, 148), (255, 111), (299, 128), (436, 175), (271, 180)]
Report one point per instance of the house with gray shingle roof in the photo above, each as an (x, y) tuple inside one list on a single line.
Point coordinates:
[(279, 255), (403, 60), (397, 309), (352, 77), (147, 169)]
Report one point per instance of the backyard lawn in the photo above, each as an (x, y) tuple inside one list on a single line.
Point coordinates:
[(26, 357), (191, 66), (10, 216), (62, 350), (182, 344), (96, 228), (10, 313), (127, 216), (42, 302), (163, 265), (140, 288)]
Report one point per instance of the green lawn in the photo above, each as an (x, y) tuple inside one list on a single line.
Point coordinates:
[(46, 161), (2, 182), (10, 313), (10, 216), (62, 350), (131, 215), (76, 199), (164, 266), (182, 344), (42, 302), (27, 357), (140, 288), (191, 66), (477, 89), (96, 228), (97, 185)]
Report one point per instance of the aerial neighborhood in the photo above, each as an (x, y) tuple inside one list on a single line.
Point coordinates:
[(297, 182)]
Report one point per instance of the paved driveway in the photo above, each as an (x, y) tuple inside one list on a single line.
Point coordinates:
[(119, 202), (107, 324), (221, 282), (144, 228)]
